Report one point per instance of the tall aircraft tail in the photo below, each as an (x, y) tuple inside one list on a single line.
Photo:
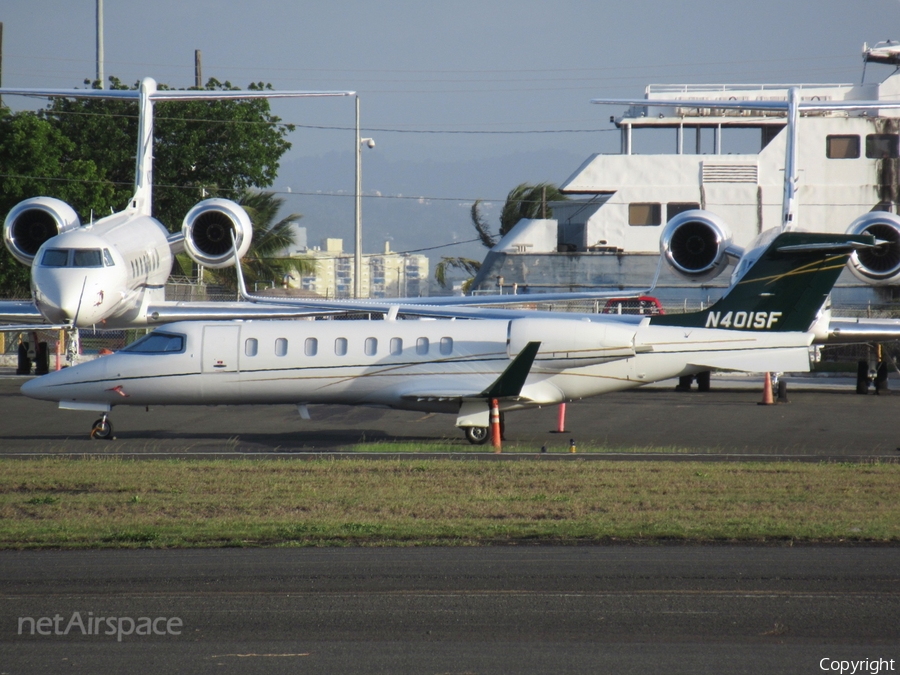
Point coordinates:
[(783, 289)]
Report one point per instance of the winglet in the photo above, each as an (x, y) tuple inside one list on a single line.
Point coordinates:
[(511, 381)]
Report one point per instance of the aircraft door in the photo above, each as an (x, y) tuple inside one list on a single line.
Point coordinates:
[(220, 348)]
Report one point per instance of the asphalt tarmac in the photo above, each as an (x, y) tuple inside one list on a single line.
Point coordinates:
[(617, 610), (824, 420)]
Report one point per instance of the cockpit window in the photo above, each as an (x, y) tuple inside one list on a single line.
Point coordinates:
[(87, 257), (157, 343), (55, 257), (107, 258)]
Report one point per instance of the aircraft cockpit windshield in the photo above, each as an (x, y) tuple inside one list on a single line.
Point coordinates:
[(157, 343), (77, 257)]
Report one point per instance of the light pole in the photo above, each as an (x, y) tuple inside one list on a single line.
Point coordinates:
[(357, 251)]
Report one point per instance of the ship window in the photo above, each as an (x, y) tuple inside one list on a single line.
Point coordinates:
[(371, 346), (842, 147), (55, 257), (422, 346), (644, 214), (87, 257), (446, 346), (396, 346), (882, 146), (674, 208), (311, 347), (157, 343), (251, 346), (281, 347), (340, 346)]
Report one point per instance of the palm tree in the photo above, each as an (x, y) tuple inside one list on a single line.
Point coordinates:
[(262, 262), (523, 201)]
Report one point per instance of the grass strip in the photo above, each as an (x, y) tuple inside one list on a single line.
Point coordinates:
[(114, 503)]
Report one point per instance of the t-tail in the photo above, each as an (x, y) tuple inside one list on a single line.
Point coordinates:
[(783, 289)]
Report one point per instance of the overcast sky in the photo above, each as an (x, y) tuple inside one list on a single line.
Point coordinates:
[(461, 66)]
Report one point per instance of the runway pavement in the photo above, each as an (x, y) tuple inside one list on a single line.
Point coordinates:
[(490, 610), (825, 419)]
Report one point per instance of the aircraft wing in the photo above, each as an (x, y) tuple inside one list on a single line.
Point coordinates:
[(21, 312), (168, 312), (847, 331)]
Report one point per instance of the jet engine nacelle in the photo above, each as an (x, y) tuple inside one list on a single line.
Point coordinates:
[(34, 221), (568, 343), (695, 244), (207, 232), (879, 265)]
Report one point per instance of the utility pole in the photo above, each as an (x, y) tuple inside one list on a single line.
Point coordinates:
[(198, 69), (100, 43), (357, 251), (1, 61)]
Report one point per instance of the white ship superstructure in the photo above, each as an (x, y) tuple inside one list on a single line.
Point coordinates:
[(727, 163)]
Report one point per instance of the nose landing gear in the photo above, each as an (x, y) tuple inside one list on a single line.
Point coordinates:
[(102, 429)]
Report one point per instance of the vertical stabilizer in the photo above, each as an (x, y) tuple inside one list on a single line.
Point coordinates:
[(143, 173), (783, 290)]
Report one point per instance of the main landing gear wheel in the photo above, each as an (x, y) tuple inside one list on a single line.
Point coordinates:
[(102, 429), (477, 435)]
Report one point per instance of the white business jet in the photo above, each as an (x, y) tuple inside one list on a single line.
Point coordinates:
[(460, 366), (111, 273)]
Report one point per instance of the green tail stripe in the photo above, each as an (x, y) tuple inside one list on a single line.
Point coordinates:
[(512, 379), (783, 290)]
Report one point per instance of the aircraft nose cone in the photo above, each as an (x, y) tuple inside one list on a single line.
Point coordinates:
[(34, 388), (71, 298)]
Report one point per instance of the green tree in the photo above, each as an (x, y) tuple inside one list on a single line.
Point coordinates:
[(467, 265), (37, 159), (523, 201), (263, 262), (202, 148)]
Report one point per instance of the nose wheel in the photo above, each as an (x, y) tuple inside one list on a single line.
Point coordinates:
[(102, 429), (477, 435)]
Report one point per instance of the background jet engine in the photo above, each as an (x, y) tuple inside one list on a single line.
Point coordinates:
[(207, 232), (696, 244), (34, 221), (880, 265)]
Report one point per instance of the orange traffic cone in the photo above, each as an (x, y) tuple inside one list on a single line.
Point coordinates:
[(767, 391)]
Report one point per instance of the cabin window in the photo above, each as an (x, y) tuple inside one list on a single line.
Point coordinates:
[(281, 347), (340, 347), (396, 346), (644, 214), (674, 208), (157, 343), (55, 257), (422, 346), (251, 346), (446, 346), (842, 147), (87, 257), (371, 346), (311, 348), (882, 146)]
